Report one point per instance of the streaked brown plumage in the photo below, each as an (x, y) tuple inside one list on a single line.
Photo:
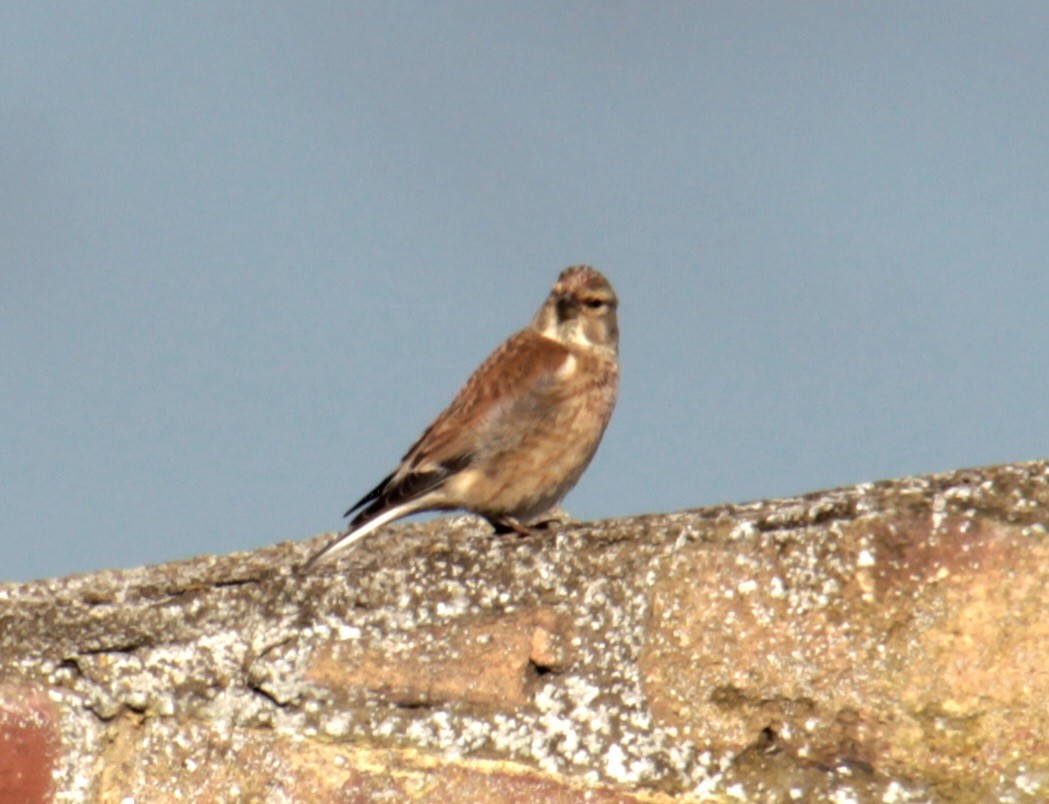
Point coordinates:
[(522, 430)]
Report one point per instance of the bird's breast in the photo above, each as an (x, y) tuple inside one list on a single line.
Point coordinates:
[(535, 452)]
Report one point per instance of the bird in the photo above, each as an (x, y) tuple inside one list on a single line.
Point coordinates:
[(521, 431)]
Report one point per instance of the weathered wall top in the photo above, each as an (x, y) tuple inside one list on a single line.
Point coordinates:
[(887, 642)]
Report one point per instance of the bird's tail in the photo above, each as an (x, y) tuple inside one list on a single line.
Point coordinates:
[(399, 494), (363, 524)]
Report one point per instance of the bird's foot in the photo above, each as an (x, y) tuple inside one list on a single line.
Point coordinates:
[(506, 524), (554, 517), (546, 524)]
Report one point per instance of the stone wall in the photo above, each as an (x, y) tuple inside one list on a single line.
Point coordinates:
[(885, 642)]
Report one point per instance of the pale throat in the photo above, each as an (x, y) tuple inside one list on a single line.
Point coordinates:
[(566, 332)]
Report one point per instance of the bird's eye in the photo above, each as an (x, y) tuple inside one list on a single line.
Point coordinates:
[(594, 304)]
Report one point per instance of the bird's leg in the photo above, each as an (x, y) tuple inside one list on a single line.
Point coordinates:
[(554, 517), (546, 524), (506, 524)]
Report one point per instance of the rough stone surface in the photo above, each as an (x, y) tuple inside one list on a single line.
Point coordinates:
[(887, 642)]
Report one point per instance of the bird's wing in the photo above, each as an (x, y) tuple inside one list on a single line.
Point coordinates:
[(521, 372)]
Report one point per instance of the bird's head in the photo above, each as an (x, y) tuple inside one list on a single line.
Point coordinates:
[(581, 309)]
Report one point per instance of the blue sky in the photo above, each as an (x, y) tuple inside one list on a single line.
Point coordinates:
[(251, 249)]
